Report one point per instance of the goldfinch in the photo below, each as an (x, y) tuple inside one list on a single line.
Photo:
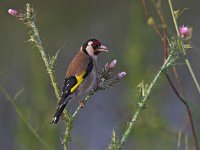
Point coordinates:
[(81, 75)]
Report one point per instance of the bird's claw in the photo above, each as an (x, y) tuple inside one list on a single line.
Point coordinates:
[(82, 103)]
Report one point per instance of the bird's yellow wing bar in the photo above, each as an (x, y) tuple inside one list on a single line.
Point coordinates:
[(79, 79)]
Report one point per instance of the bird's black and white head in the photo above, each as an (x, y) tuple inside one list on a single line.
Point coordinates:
[(93, 47)]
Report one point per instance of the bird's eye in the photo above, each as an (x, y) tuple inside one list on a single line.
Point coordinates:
[(95, 46)]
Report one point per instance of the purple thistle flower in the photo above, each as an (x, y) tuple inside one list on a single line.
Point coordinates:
[(121, 74), (184, 31), (13, 12)]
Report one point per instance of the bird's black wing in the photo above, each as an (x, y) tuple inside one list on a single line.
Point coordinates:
[(72, 83)]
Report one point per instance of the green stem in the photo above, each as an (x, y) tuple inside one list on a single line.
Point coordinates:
[(38, 43), (70, 122), (35, 38), (10, 99), (67, 136), (173, 17), (85, 100), (142, 103), (182, 49), (46, 62)]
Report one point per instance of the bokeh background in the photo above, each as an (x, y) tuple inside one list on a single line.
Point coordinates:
[(121, 26)]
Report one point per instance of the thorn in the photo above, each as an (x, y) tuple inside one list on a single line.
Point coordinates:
[(62, 141)]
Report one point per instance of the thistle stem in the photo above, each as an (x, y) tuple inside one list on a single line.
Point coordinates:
[(38, 44), (142, 103), (182, 49)]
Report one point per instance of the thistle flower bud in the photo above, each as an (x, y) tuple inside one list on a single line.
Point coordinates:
[(106, 66), (111, 65), (121, 74), (184, 31), (13, 12)]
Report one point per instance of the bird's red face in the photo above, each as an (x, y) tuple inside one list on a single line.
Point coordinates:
[(93, 47)]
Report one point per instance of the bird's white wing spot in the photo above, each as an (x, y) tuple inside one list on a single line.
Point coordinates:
[(54, 119)]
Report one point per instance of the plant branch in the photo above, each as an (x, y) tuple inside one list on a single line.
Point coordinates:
[(166, 52), (20, 114), (182, 49), (188, 110), (150, 20), (35, 38), (143, 101), (69, 124), (106, 79)]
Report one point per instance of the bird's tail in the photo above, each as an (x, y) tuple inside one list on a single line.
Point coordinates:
[(58, 113), (61, 106)]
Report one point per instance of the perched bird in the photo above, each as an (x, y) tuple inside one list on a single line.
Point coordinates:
[(81, 75)]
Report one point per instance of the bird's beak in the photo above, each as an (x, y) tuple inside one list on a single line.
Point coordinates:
[(103, 48)]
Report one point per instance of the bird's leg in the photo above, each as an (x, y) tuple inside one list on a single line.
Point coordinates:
[(82, 103)]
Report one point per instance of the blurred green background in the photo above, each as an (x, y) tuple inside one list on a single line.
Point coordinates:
[(122, 27)]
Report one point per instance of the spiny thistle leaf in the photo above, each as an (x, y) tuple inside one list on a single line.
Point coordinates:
[(178, 13), (115, 145), (142, 90), (52, 60), (179, 138)]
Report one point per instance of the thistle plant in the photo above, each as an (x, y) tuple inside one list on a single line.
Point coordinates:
[(182, 43), (174, 47), (106, 78)]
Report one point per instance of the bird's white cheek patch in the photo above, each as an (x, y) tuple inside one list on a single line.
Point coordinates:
[(90, 50)]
